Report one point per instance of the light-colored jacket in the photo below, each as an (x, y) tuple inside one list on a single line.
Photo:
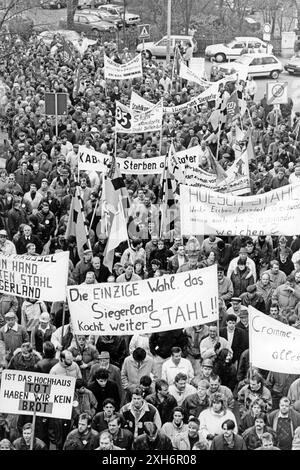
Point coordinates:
[(172, 431), (132, 372)]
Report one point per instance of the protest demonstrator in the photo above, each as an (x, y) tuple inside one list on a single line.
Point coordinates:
[(149, 255)]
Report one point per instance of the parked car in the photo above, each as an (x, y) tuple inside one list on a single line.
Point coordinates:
[(89, 3), (131, 19), (68, 34), (53, 3), (259, 65), (103, 15), (293, 65), (233, 49), (159, 48), (91, 24)]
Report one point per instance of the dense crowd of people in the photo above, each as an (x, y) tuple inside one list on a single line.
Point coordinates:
[(187, 389)]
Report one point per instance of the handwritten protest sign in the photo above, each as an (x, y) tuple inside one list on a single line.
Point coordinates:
[(114, 71), (91, 160), (273, 213), (273, 345), (37, 277), (147, 121), (23, 392), (165, 303), (237, 181)]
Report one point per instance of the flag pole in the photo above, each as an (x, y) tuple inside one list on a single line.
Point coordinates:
[(250, 345), (33, 426), (218, 143), (250, 117), (63, 321)]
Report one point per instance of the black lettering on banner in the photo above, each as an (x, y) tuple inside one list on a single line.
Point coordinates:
[(28, 405)]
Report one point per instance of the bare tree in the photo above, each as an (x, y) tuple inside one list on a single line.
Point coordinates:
[(71, 8), (297, 5)]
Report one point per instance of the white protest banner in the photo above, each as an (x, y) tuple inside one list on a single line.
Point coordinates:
[(164, 303), (273, 345), (238, 176), (141, 166), (189, 156), (276, 212), (37, 277), (195, 176), (148, 121), (139, 104), (132, 69), (123, 118), (203, 98), (50, 395), (237, 181), (187, 74), (90, 160)]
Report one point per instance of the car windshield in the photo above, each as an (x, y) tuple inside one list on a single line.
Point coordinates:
[(295, 59), (93, 18), (229, 43), (244, 59), (109, 11)]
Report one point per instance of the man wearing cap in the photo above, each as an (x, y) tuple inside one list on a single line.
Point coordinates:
[(6, 246), (47, 222), (251, 297), (234, 308), (249, 263), (12, 334), (83, 266), (42, 332), (43, 190), (243, 324), (7, 303), (104, 363)]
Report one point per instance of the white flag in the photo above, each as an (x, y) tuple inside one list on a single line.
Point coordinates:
[(118, 234)]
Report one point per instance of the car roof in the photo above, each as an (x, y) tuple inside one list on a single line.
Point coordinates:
[(179, 36), (59, 31), (259, 54), (240, 38)]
